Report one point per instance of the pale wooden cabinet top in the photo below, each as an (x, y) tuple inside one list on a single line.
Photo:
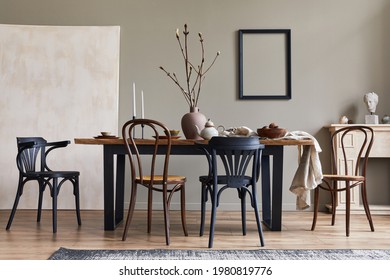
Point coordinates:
[(375, 127), (381, 146)]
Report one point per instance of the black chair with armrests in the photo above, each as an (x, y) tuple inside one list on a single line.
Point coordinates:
[(348, 171), (32, 163), (235, 154), (156, 177)]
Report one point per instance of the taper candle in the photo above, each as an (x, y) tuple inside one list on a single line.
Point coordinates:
[(134, 111), (142, 105), (134, 107)]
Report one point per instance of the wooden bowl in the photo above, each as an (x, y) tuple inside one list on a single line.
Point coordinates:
[(267, 132)]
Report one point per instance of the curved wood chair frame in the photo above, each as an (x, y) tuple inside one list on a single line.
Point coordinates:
[(347, 178), (31, 153), (162, 182)]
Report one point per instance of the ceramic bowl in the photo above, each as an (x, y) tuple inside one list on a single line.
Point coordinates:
[(105, 133), (267, 132), (174, 132)]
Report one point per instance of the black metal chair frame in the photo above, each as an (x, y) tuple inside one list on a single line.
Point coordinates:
[(30, 149), (235, 153), (164, 183), (355, 178)]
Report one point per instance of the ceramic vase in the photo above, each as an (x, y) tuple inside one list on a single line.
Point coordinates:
[(189, 122)]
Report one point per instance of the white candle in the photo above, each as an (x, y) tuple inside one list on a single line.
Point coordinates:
[(142, 105), (134, 111)]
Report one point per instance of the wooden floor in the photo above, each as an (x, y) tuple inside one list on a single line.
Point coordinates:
[(29, 240)]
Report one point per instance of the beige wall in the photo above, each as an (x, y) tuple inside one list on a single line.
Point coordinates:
[(53, 78), (339, 53)]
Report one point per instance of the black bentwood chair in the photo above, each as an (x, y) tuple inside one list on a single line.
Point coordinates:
[(235, 154), (32, 164), (347, 171), (156, 177)]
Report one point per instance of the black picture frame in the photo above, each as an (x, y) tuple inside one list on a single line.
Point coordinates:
[(264, 63)]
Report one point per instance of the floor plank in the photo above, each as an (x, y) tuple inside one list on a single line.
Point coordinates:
[(29, 240)]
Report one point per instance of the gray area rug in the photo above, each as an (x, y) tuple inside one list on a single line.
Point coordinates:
[(161, 254)]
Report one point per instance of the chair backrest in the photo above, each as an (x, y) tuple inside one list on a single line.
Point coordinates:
[(160, 136), (236, 153), (30, 149), (351, 163)]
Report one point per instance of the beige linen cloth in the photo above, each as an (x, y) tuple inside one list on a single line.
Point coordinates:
[(309, 173)]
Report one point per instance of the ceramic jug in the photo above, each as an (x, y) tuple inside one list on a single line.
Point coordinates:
[(209, 130)]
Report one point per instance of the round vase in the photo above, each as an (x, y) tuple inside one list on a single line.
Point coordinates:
[(190, 122)]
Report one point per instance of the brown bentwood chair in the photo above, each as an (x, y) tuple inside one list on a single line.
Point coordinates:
[(349, 171), (32, 163), (156, 177)]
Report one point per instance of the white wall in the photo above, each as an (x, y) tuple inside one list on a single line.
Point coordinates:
[(339, 53)]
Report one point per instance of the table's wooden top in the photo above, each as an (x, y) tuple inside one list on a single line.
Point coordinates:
[(119, 141)]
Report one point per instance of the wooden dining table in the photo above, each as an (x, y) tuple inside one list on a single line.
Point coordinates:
[(114, 153)]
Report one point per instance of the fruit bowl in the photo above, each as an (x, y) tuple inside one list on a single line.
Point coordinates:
[(271, 131)]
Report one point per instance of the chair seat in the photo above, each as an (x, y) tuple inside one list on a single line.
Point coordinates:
[(222, 180), (55, 174), (158, 179), (336, 177)]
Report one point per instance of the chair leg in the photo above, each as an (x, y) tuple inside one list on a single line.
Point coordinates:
[(130, 211), (203, 208), (243, 210), (259, 227), (16, 202), (315, 212), (213, 215), (334, 205), (255, 206), (183, 209), (150, 210), (54, 199), (166, 215), (76, 192), (40, 199), (366, 207), (347, 208)]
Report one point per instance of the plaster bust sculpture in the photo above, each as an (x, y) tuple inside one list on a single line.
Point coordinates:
[(371, 100)]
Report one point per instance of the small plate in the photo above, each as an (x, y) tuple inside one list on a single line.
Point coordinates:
[(165, 137), (106, 137)]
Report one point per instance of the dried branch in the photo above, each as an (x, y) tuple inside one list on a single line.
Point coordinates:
[(191, 92)]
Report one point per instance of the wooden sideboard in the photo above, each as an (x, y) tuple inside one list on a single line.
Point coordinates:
[(380, 149)]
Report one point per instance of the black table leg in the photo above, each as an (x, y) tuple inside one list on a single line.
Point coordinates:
[(113, 197), (272, 202), (266, 190), (120, 188), (108, 166)]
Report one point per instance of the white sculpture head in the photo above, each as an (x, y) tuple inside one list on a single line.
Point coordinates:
[(371, 100)]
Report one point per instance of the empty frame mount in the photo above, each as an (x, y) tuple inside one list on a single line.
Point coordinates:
[(265, 64)]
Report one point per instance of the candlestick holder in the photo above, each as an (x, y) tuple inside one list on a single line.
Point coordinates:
[(134, 117)]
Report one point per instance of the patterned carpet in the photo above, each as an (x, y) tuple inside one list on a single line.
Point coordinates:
[(159, 254)]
